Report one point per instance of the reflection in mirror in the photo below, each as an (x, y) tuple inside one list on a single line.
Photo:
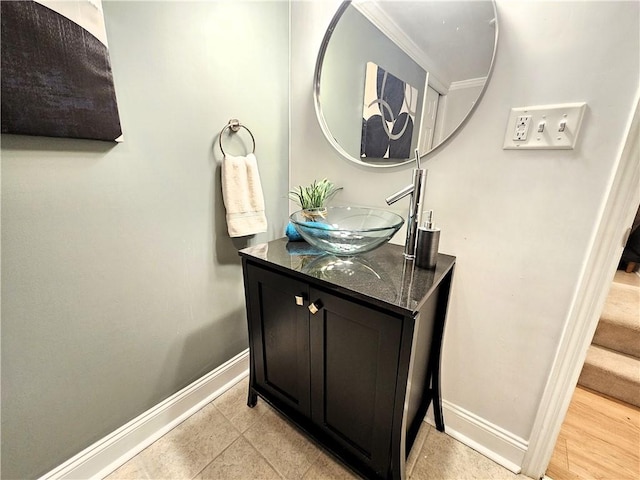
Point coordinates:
[(357, 272), (396, 76)]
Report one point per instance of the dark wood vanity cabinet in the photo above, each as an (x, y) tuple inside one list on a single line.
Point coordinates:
[(337, 360), (279, 332), (337, 367)]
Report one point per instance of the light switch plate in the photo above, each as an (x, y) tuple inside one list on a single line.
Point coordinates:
[(550, 127)]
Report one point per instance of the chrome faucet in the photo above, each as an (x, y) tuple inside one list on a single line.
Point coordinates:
[(416, 190)]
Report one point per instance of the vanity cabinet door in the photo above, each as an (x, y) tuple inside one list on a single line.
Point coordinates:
[(354, 360), (279, 337)]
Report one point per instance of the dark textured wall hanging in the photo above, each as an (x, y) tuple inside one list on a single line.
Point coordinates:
[(56, 73), (388, 115)]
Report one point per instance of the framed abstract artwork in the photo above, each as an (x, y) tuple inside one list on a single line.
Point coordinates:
[(56, 72), (388, 115)]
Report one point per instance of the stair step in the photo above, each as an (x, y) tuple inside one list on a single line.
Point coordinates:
[(612, 373), (619, 326)]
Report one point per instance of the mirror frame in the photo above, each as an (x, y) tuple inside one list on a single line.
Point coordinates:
[(317, 94)]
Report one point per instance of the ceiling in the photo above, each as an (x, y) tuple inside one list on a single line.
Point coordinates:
[(453, 40)]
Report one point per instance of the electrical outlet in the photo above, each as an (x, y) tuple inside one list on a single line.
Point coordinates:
[(522, 128), (544, 127)]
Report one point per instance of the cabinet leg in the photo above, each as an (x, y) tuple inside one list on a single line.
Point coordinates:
[(437, 414), (441, 313), (437, 398), (252, 399)]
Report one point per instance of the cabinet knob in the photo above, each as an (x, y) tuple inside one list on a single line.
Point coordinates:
[(299, 300), (315, 306)]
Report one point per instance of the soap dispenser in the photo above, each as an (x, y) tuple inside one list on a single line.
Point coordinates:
[(427, 243)]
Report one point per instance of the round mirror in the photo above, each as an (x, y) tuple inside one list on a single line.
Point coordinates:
[(397, 77)]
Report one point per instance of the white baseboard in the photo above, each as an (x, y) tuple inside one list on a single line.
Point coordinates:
[(484, 437), (112, 451)]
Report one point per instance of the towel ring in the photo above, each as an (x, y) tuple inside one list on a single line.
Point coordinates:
[(234, 125)]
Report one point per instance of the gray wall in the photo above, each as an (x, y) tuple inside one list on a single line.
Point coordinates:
[(354, 42), (120, 284)]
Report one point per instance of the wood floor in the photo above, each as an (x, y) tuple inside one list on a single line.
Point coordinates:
[(599, 439)]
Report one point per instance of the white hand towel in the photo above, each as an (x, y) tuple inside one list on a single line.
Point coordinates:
[(242, 195)]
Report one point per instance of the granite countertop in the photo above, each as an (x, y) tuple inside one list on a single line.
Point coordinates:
[(381, 276)]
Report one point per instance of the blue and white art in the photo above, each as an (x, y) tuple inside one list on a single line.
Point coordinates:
[(388, 115), (56, 72)]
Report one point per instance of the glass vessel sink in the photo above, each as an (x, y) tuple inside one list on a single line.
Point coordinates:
[(347, 230)]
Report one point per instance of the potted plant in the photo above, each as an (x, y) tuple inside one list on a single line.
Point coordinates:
[(313, 198)]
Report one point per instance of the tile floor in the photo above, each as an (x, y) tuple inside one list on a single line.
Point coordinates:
[(226, 440)]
